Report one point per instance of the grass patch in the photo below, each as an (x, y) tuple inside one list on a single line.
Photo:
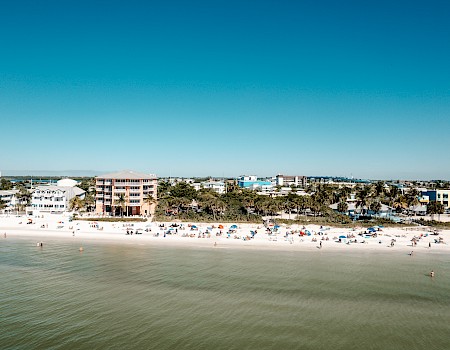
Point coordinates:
[(125, 219)]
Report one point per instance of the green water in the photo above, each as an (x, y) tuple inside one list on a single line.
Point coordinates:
[(141, 297)]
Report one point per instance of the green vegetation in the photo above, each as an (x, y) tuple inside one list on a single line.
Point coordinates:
[(182, 202), (111, 219)]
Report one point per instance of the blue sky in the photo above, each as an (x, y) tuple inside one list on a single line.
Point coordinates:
[(223, 88)]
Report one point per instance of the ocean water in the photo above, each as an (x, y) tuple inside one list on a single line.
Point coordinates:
[(121, 296)]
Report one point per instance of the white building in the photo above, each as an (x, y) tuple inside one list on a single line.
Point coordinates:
[(53, 199), (286, 180), (8, 197), (216, 186)]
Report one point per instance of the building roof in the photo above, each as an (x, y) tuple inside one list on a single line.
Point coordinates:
[(127, 174), (8, 192), (70, 191), (67, 183)]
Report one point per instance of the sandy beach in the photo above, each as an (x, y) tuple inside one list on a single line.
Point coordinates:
[(219, 236)]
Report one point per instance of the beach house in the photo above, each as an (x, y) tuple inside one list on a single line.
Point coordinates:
[(216, 186), (54, 199), (125, 193), (9, 199)]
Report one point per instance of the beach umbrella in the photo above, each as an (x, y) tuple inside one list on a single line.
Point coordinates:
[(371, 229), (233, 226), (308, 233), (276, 226), (193, 226), (342, 237), (221, 227)]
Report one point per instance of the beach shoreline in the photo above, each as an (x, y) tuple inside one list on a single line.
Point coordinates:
[(287, 238)]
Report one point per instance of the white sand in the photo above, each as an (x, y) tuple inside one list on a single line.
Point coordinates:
[(53, 226)]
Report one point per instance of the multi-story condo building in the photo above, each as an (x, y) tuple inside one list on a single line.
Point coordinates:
[(125, 192), (285, 180)]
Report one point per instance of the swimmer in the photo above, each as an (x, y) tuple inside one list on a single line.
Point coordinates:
[(411, 252), (432, 273), (81, 249), (215, 244)]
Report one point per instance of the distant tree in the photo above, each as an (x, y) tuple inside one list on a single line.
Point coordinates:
[(87, 184), (435, 208), (163, 189), (183, 190), (375, 206), (342, 207), (6, 185)]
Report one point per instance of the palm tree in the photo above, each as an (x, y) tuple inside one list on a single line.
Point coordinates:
[(399, 203), (149, 200), (121, 203), (412, 198), (88, 202), (75, 203), (342, 207), (363, 197), (375, 206), (435, 208)]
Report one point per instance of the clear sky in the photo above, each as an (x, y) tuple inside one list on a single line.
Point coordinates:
[(227, 87)]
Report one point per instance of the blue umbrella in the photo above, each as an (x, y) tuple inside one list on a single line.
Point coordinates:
[(193, 226), (233, 226), (342, 236)]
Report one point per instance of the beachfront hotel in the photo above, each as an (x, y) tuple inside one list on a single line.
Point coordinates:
[(132, 187), (286, 180)]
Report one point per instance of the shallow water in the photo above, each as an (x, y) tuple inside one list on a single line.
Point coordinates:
[(115, 296)]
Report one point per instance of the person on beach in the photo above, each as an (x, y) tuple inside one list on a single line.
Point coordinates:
[(429, 244), (320, 244)]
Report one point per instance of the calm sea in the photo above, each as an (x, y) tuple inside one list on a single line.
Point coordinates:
[(115, 296)]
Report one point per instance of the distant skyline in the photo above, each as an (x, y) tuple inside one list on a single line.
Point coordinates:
[(225, 88)]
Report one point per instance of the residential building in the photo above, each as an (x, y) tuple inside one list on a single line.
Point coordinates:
[(8, 197), (286, 180), (440, 196), (133, 187), (251, 182), (216, 186), (53, 199)]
